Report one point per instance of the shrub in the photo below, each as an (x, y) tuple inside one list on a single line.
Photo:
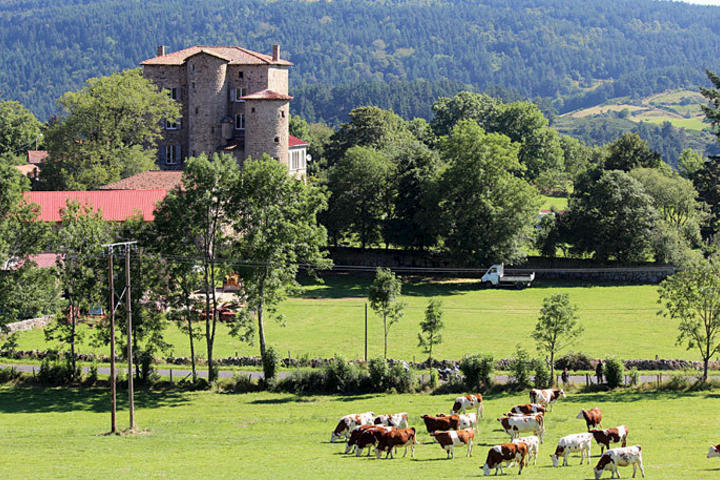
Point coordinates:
[(341, 377), (614, 371), (542, 374), (243, 384), (574, 361), (433, 378), (379, 372), (270, 362), (477, 370), (520, 367), (147, 373), (633, 375), (8, 374), (92, 376), (679, 382), (400, 380), (57, 372)]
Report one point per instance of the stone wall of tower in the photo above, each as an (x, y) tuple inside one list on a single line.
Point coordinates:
[(267, 129), (166, 77), (278, 79), (208, 97)]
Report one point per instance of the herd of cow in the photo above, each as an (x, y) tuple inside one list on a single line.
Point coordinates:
[(385, 433)]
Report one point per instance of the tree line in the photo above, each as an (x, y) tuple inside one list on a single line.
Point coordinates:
[(571, 54)]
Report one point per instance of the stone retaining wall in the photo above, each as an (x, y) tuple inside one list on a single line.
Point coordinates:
[(29, 324)]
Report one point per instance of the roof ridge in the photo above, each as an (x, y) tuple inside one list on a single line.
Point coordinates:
[(254, 54)]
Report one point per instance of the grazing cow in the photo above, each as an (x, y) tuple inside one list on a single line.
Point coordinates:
[(593, 417), (546, 397), (533, 445), (610, 435), (397, 420), (505, 453), (369, 438), (620, 457), (526, 409), (468, 402), (348, 422), (449, 440), (516, 425), (441, 422), (390, 440), (357, 432), (577, 442), (714, 451)]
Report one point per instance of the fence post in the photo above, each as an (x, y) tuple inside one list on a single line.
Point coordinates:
[(171, 376)]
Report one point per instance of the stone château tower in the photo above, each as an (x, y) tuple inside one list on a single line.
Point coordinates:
[(232, 99)]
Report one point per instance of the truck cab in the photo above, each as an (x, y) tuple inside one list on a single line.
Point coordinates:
[(495, 277)]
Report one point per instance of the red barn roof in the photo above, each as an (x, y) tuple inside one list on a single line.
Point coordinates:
[(296, 142), (115, 205), (149, 180)]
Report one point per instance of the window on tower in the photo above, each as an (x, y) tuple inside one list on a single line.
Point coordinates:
[(239, 121)]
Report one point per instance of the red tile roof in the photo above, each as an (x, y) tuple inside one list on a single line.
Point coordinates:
[(233, 55), (149, 180), (44, 260), (296, 142), (115, 205), (37, 156), (266, 95)]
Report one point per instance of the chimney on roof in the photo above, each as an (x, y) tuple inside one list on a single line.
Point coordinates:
[(161, 50), (276, 53)]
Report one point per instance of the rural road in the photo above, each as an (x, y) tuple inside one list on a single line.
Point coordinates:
[(181, 373)]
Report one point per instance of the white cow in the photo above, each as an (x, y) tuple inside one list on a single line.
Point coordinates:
[(577, 442), (468, 402), (397, 420), (620, 457), (546, 397), (516, 425), (533, 445), (714, 451), (348, 422), (468, 420)]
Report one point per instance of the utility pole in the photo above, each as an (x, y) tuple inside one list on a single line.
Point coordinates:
[(113, 383), (365, 332), (131, 389), (113, 307)]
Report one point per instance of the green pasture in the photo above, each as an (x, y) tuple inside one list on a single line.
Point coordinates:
[(695, 123), (58, 434), (328, 319), (559, 203)]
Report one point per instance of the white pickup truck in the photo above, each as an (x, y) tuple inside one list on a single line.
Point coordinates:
[(495, 277)]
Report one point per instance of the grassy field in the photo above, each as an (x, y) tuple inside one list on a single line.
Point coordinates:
[(328, 319), (560, 203), (58, 434)]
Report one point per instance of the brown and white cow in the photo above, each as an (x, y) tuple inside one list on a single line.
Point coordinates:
[(620, 457), (714, 451), (505, 453), (592, 417), (370, 438), (576, 442), (441, 422), (397, 420), (449, 440), (546, 397), (357, 433), (390, 440), (469, 402), (533, 445), (610, 435), (526, 409), (348, 422), (515, 425)]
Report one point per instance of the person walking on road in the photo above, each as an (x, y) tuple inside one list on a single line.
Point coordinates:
[(565, 376), (599, 372)]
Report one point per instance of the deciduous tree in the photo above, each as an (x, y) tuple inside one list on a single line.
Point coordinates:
[(630, 151), (557, 327), (431, 327), (109, 131), (692, 297), (384, 295), (275, 218), (19, 129)]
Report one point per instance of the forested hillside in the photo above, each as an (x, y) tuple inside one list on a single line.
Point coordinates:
[(398, 54)]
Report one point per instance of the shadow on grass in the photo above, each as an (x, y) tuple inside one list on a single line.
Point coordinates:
[(276, 401), (23, 399)]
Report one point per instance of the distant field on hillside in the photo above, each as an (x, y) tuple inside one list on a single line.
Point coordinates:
[(328, 319), (679, 107), (560, 203), (56, 434)]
